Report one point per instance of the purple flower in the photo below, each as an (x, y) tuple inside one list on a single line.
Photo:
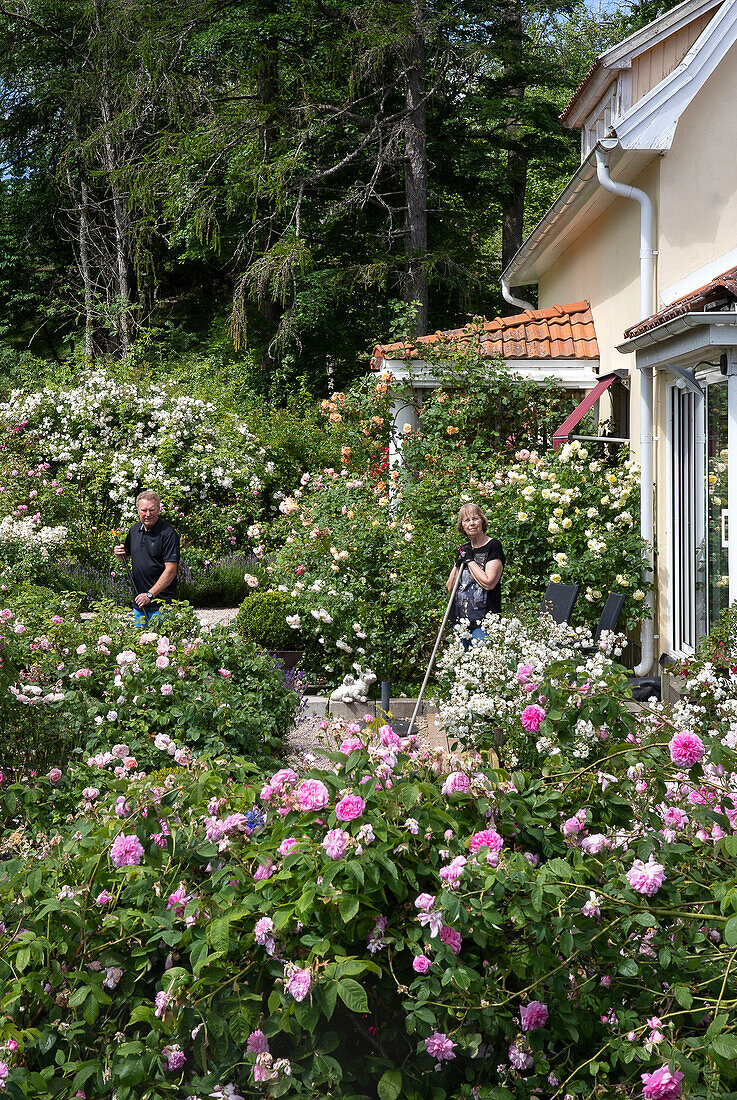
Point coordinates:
[(487, 838), (456, 783), (452, 938), (336, 843), (312, 794), (126, 851), (520, 1056), (350, 807), (533, 1015), (175, 1057)]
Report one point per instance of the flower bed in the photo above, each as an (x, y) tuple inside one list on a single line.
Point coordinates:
[(401, 919)]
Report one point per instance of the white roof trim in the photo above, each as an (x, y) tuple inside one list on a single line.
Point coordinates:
[(622, 55), (651, 122), (575, 374)]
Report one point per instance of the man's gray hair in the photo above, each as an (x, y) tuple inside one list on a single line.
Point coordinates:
[(148, 494)]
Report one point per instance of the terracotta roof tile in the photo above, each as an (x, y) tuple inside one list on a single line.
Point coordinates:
[(558, 332), (697, 300)]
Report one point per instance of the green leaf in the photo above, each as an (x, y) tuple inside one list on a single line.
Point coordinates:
[(353, 995), (219, 933), (348, 907), (628, 968), (91, 1010), (78, 996), (409, 794), (390, 1085), (329, 999), (716, 1025), (725, 1046), (683, 996), (730, 931)]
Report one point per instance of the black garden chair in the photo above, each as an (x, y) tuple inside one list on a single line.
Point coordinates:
[(558, 601), (608, 619)]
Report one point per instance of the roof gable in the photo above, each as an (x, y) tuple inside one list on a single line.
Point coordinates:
[(651, 122), (558, 332)]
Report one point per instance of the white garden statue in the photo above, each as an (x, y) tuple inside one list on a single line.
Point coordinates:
[(354, 689)]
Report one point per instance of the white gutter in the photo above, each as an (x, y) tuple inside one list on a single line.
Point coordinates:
[(647, 283), (509, 297)]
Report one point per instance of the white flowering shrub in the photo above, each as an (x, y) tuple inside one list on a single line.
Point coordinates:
[(533, 690), (109, 439)]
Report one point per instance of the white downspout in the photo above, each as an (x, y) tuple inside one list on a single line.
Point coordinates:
[(509, 297), (647, 283)]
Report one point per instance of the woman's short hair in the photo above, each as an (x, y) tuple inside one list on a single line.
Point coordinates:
[(471, 509)]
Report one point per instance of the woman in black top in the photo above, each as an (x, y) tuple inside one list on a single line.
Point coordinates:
[(481, 561)]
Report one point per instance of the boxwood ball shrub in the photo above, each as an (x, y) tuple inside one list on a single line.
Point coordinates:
[(262, 618)]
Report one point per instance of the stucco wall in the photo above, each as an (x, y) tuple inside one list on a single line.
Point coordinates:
[(603, 266), (698, 180)]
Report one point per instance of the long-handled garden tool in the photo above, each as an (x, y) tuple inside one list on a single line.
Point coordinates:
[(130, 578), (434, 652)]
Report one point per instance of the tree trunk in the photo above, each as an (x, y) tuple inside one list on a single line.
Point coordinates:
[(513, 214), (83, 239), (120, 213), (415, 172)]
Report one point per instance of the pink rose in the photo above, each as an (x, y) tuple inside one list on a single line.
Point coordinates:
[(452, 938), (257, 1043), (350, 807), (287, 846), (686, 749), (312, 794), (439, 1046), (532, 718), (336, 843), (350, 745), (54, 775), (264, 871), (533, 1015), (456, 783), (662, 1084), (298, 982), (424, 901), (126, 851), (421, 964), (103, 898), (225, 673), (487, 838), (646, 878)]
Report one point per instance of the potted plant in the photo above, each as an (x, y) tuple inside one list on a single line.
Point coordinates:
[(263, 618)]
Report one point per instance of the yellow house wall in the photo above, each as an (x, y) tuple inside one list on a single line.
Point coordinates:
[(603, 266), (698, 180)]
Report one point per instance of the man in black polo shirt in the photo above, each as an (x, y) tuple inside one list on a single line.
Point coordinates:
[(153, 548)]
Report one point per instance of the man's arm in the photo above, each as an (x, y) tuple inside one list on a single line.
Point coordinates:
[(170, 572)]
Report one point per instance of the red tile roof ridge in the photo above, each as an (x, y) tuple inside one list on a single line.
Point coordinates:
[(558, 331)]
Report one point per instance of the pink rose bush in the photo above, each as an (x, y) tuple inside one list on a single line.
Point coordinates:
[(458, 886)]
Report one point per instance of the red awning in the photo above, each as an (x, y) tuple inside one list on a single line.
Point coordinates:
[(580, 411)]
